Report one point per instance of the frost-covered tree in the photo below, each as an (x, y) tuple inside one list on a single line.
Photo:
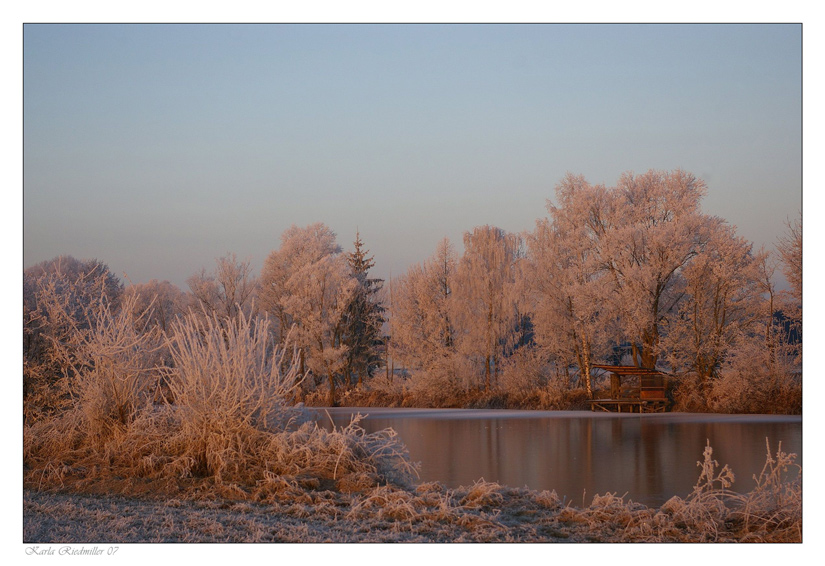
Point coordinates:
[(781, 333), (769, 305), (720, 307), (62, 293), (299, 247), (227, 290), (790, 252), (485, 301), (423, 332), (308, 284), (657, 228), (760, 370), (364, 317), (567, 281), (159, 302)]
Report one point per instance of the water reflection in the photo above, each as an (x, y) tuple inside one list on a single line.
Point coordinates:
[(579, 454)]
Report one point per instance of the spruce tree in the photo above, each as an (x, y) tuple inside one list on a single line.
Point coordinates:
[(365, 316)]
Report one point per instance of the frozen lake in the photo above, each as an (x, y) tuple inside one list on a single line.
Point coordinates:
[(650, 457)]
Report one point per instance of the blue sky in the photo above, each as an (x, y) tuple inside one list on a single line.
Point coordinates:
[(157, 148)]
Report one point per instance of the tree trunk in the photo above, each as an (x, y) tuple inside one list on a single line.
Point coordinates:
[(586, 368), (650, 342), (486, 373), (770, 343), (331, 400), (648, 359), (390, 368), (583, 356)]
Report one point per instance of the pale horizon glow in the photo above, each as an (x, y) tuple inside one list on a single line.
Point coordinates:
[(157, 148)]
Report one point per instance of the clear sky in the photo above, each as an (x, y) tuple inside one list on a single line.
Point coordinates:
[(157, 148)]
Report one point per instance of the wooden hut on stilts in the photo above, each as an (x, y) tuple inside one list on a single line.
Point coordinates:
[(632, 390)]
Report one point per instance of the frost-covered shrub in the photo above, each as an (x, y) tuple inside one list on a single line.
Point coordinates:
[(755, 391), (758, 377), (737, 392), (110, 367), (229, 372), (525, 371), (443, 384), (347, 455), (688, 394), (61, 299), (235, 418), (230, 419), (530, 381), (115, 371), (558, 394)]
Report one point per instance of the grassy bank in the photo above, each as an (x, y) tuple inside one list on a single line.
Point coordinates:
[(539, 398), (782, 396), (293, 510)]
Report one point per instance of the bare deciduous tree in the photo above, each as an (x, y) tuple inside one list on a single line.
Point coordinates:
[(790, 251), (160, 301), (485, 300), (423, 331), (228, 290)]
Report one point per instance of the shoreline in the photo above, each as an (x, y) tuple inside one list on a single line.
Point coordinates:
[(462, 413)]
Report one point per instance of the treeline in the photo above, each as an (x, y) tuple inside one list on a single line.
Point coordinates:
[(633, 274), (313, 297)]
